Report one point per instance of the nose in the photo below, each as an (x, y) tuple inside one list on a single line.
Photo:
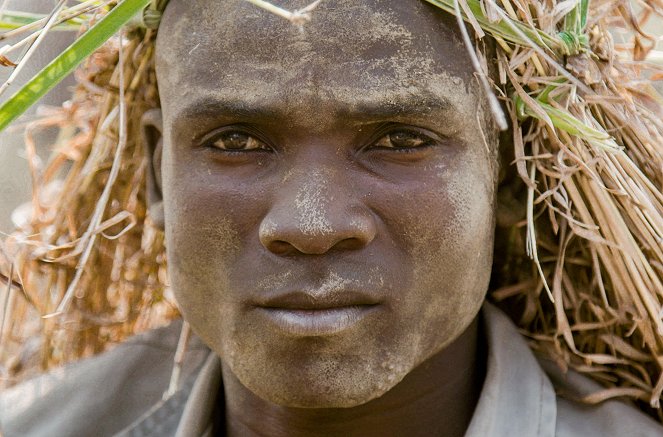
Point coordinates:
[(314, 212)]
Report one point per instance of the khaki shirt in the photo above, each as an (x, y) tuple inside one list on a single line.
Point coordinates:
[(120, 394)]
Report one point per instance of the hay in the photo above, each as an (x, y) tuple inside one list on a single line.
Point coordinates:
[(86, 231), (580, 242)]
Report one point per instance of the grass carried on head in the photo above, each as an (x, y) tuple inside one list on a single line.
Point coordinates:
[(580, 268)]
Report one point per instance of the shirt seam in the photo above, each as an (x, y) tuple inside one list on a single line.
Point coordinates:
[(541, 401)]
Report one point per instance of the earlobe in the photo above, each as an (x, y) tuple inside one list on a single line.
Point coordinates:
[(152, 133)]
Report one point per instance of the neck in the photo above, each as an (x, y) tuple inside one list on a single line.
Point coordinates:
[(436, 398)]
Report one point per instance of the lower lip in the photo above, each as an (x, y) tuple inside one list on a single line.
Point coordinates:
[(316, 323)]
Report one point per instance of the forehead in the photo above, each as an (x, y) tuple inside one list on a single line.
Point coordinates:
[(352, 55)]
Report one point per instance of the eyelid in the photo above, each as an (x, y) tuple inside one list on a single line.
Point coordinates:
[(391, 128), (210, 137)]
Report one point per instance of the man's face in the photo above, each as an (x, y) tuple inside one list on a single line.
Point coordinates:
[(328, 192)]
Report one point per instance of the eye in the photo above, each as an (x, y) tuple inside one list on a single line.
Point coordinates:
[(404, 140), (236, 141)]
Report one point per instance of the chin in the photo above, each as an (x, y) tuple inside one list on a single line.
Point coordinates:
[(322, 382)]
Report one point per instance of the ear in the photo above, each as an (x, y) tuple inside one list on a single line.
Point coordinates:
[(152, 131)]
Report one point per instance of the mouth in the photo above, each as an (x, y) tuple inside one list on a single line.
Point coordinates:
[(307, 315)]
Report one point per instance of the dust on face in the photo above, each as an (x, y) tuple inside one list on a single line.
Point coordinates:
[(343, 162)]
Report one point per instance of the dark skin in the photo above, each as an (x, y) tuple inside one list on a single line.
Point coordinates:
[(413, 407), (328, 202)]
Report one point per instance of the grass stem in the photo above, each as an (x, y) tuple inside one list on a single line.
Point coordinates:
[(42, 35)]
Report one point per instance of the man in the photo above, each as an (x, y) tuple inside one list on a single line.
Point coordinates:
[(328, 200)]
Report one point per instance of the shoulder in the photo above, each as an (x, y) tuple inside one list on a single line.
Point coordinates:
[(609, 418), (525, 395), (74, 400)]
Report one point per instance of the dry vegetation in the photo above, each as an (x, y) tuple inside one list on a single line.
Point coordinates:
[(86, 235), (580, 268)]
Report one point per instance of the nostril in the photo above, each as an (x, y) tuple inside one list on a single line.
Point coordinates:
[(349, 244), (282, 234), (315, 246), (280, 247)]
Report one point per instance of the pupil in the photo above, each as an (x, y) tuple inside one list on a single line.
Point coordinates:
[(405, 139), (235, 140)]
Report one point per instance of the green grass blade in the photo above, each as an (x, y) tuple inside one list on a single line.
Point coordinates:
[(68, 60), (584, 10), (565, 121), (11, 20), (573, 33), (502, 29)]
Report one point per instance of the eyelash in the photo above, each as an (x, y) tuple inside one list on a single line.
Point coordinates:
[(427, 140), (209, 141)]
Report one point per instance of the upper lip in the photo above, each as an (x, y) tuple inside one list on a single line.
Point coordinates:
[(300, 300)]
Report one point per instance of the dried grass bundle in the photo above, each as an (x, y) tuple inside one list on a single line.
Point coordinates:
[(579, 268), (588, 143), (90, 267)]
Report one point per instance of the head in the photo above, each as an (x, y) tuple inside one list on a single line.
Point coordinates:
[(328, 194)]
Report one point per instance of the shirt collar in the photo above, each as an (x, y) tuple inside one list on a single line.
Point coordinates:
[(517, 398), (197, 415)]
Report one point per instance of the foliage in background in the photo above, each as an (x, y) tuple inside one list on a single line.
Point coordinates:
[(580, 236)]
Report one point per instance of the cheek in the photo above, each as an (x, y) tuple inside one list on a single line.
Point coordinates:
[(203, 239), (449, 238), (208, 213)]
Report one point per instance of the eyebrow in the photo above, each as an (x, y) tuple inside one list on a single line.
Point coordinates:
[(428, 103), (211, 106)]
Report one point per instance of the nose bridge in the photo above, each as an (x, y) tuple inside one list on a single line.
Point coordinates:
[(314, 202), (314, 210)]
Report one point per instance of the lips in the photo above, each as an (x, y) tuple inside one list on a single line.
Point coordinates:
[(307, 314), (311, 300)]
